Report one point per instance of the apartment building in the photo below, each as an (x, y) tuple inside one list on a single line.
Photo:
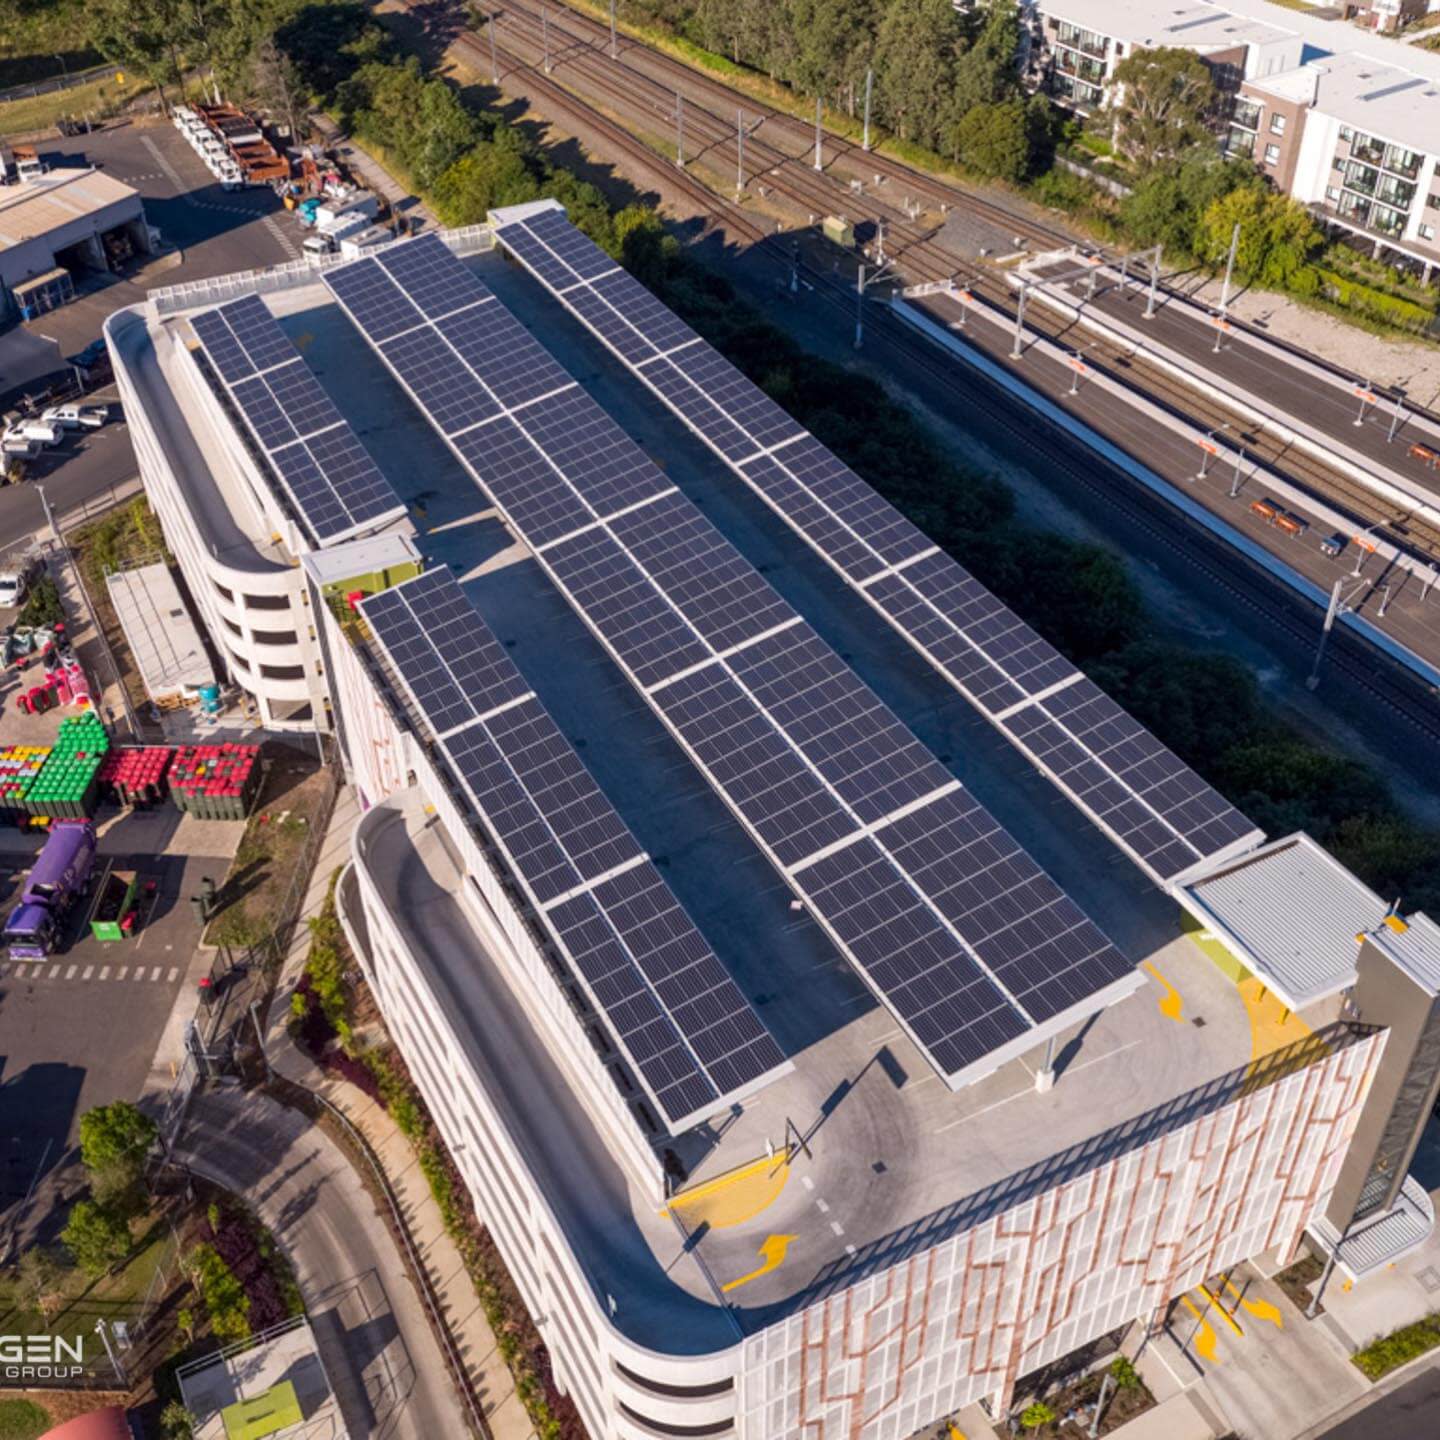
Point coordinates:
[(1356, 140), (1073, 46), (564, 862)]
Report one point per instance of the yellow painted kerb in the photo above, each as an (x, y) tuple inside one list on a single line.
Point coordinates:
[(734, 1197)]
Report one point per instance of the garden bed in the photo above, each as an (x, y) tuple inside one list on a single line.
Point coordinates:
[(1065, 1413), (1297, 1280), (1399, 1348)]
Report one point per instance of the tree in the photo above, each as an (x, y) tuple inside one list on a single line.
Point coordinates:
[(119, 1135), (985, 74), (1278, 239), (41, 1279), (915, 66), (835, 40), (97, 1237), (995, 140), (1163, 100), (1166, 206), (276, 84), (487, 176)]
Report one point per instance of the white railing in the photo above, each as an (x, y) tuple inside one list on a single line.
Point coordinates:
[(293, 274)]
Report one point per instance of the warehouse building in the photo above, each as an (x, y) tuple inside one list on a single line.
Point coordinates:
[(56, 227), (747, 977)]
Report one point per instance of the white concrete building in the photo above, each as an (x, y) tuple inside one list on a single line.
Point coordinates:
[(234, 530), (854, 1249)]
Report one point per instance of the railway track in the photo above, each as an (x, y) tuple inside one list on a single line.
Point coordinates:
[(1400, 694)]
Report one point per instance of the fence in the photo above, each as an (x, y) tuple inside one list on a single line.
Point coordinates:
[(58, 82)]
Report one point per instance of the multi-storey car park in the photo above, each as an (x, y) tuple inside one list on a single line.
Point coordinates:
[(787, 940)]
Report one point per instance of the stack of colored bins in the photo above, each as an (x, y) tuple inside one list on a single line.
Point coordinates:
[(65, 787), (215, 782), (19, 765), (135, 775)]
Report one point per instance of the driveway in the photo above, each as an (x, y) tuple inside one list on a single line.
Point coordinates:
[(387, 1371)]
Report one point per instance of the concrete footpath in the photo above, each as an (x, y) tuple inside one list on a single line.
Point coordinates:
[(489, 1375)]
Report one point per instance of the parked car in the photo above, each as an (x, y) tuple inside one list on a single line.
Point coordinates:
[(77, 417), (45, 431)]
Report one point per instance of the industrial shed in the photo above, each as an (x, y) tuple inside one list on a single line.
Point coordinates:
[(64, 219)]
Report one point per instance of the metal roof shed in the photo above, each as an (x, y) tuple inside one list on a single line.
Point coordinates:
[(158, 628), (1291, 914)]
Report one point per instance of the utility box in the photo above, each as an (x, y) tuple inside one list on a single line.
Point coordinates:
[(839, 231)]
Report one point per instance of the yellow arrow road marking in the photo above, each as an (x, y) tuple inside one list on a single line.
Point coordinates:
[(1205, 1341), (772, 1253), (1260, 1309), (1171, 1005)]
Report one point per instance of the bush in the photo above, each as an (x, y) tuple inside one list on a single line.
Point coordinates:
[(224, 1296), (1036, 1414), (43, 605), (1374, 304), (1382, 1356), (1124, 1373)]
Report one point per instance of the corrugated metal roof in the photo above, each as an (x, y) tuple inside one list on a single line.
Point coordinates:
[(1414, 945), (1290, 912), (35, 207), (162, 637), (1382, 1239)]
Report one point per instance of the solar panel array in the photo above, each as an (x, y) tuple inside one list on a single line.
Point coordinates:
[(1152, 804), (949, 921), (336, 488), (678, 1017)]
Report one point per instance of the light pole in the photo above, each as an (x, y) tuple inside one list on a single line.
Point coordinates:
[(494, 61), (1362, 549), (869, 82), (819, 165), (1367, 397), (739, 153), (1229, 271), (1077, 369), (1235, 478), (1395, 420), (679, 130), (1332, 610), (614, 45), (860, 283), (545, 32), (115, 1365)]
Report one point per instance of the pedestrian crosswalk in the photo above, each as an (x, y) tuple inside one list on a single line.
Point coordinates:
[(47, 970)]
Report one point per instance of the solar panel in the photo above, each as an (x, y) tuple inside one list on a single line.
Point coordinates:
[(979, 644), (812, 762), (673, 1009), (336, 489)]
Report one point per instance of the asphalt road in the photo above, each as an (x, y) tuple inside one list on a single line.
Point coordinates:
[(384, 1365), (1410, 1413)]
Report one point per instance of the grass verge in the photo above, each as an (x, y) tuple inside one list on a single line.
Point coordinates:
[(22, 1420), (96, 100)]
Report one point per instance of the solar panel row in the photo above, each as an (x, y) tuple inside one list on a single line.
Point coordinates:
[(812, 761), (334, 485), (1155, 807), (689, 1034)]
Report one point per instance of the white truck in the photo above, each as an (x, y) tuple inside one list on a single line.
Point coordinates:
[(327, 236), (365, 203), (77, 417), (354, 245)]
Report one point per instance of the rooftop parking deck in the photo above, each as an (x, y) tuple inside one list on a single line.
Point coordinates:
[(888, 1145)]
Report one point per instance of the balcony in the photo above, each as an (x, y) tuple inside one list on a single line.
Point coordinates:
[(1398, 193), (1240, 142), (1405, 163), (1073, 63), (1368, 149), (1387, 222), (1246, 115), (1082, 40), (1361, 179)]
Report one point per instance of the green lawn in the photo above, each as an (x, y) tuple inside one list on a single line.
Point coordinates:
[(116, 1297), (97, 99), (22, 1420)]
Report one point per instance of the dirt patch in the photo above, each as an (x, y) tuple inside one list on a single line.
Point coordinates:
[(268, 873), (1298, 1280)]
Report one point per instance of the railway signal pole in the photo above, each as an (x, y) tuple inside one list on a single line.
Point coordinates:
[(869, 85)]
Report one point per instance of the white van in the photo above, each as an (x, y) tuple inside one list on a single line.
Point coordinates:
[(45, 431), (77, 417), (14, 443)]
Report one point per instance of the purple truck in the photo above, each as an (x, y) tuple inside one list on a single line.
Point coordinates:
[(61, 873)]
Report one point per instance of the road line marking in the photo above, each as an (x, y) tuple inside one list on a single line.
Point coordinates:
[(54, 971), (850, 1250), (807, 1182), (70, 973), (823, 1206), (837, 1227), (155, 973), (975, 1114), (139, 973), (104, 972), (89, 971), (121, 973), (170, 978)]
